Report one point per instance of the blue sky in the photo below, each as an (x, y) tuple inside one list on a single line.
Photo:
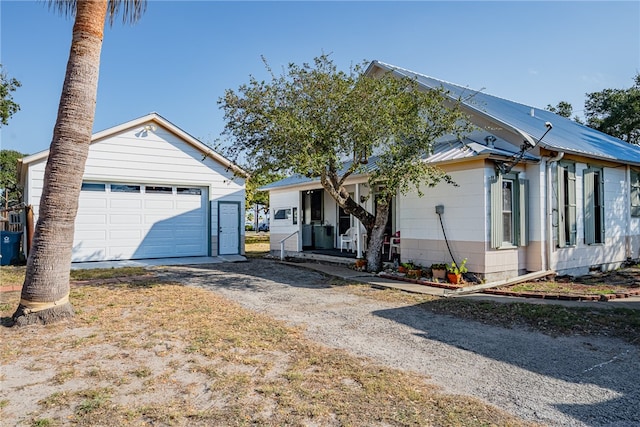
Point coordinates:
[(182, 55)]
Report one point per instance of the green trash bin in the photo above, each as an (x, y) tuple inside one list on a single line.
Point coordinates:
[(10, 247)]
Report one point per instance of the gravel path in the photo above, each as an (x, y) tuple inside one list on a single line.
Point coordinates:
[(567, 381)]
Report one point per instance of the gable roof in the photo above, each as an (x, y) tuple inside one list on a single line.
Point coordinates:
[(566, 135), (444, 151), (151, 118)]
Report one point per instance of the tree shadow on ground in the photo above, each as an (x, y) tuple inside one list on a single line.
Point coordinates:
[(605, 368)]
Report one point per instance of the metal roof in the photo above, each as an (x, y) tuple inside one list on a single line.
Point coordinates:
[(443, 151), (566, 134)]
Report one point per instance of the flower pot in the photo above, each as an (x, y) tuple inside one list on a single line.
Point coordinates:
[(454, 278), (402, 269), (439, 273), (415, 274), (361, 263)]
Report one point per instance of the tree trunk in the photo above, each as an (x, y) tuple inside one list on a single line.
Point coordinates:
[(376, 239), (45, 293)]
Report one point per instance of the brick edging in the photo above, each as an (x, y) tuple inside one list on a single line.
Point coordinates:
[(564, 297)]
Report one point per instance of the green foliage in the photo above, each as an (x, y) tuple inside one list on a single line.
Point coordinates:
[(564, 109), (319, 122), (7, 105), (9, 176), (616, 112), (458, 269), (259, 178)]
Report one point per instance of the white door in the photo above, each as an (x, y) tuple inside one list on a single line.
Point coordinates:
[(228, 228), (136, 221)]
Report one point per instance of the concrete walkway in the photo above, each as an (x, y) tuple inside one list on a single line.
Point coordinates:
[(157, 262)]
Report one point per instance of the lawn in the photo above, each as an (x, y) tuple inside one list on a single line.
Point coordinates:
[(141, 352)]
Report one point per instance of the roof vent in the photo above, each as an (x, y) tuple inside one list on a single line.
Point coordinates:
[(490, 139), (533, 112)]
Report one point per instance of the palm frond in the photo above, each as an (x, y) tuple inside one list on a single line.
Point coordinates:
[(131, 10)]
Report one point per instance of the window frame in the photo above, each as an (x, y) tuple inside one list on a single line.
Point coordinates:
[(593, 192), (634, 187), (288, 214), (519, 210), (567, 231)]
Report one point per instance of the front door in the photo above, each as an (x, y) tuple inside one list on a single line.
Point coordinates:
[(228, 228)]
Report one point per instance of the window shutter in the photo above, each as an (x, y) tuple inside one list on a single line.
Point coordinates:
[(635, 193), (496, 211), (562, 240), (523, 212), (600, 189), (571, 208), (589, 207)]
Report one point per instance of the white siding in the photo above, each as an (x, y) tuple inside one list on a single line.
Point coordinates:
[(464, 220), (153, 157), (577, 260), (279, 229)]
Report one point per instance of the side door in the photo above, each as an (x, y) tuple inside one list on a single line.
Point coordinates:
[(228, 228)]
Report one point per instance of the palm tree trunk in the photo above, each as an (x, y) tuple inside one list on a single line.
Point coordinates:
[(45, 293)]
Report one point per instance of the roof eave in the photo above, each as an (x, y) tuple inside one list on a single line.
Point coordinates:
[(151, 117)]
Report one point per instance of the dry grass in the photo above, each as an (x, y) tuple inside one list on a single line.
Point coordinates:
[(164, 354), (256, 245)]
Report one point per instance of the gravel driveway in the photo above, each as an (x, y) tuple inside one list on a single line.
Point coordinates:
[(567, 381)]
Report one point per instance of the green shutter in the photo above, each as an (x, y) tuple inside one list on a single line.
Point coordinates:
[(589, 207), (522, 213), (571, 204), (562, 240), (496, 211), (601, 207), (634, 191)]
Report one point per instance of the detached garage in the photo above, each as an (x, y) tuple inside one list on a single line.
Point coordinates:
[(150, 190)]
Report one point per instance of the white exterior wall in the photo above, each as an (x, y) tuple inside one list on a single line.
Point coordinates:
[(281, 228), (578, 259), (422, 239), (154, 157)]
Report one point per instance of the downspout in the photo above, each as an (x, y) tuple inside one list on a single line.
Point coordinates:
[(627, 239), (549, 248), (358, 227)]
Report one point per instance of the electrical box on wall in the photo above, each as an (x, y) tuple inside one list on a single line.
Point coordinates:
[(440, 209)]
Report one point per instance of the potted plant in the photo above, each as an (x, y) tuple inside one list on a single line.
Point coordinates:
[(414, 271), (439, 271), (454, 271), (361, 264), (405, 267)]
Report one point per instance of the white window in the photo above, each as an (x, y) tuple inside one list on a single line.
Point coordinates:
[(593, 206), (566, 181), (282, 214), (509, 194), (635, 193)]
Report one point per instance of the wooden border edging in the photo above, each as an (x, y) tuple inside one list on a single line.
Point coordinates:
[(477, 288)]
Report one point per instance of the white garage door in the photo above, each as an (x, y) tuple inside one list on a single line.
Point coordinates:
[(135, 221)]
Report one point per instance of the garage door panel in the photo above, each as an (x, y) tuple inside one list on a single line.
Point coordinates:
[(91, 220), (190, 233), (92, 203), (132, 203), (90, 236), (125, 219), (121, 225), (159, 204), (130, 234)]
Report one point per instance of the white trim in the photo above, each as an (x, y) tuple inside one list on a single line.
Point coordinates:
[(149, 118)]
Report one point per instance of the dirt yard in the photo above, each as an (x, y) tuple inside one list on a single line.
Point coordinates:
[(261, 343)]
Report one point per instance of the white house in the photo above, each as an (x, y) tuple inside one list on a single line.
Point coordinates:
[(150, 190), (535, 192)]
